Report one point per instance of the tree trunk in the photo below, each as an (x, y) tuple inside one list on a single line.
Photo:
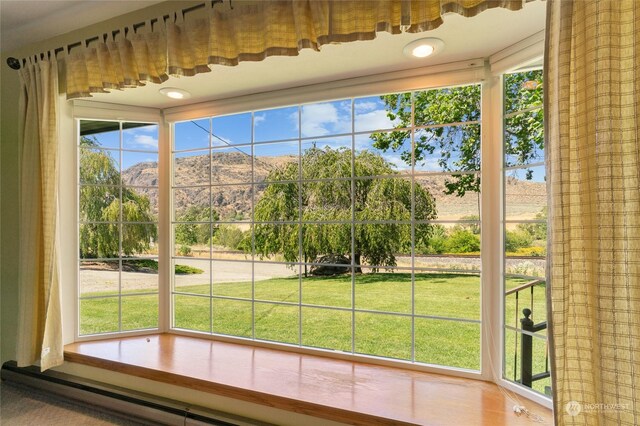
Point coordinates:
[(358, 259)]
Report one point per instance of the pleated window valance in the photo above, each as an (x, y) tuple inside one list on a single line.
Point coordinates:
[(247, 31)]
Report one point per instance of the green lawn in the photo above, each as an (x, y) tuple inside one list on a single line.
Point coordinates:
[(437, 341)]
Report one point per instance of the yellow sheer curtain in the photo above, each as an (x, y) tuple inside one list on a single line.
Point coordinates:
[(592, 80), (40, 325), (250, 31)]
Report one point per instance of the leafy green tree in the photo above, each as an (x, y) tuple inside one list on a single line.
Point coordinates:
[(100, 201), (326, 195), (456, 148), (195, 233)]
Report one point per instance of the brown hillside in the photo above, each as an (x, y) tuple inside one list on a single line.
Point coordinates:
[(231, 196)]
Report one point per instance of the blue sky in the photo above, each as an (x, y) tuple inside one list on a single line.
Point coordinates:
[(320, 121)]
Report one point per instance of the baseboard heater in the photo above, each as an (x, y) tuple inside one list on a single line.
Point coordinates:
[(122, 401)]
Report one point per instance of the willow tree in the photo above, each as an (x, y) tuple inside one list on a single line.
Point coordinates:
[(104, 203), (328, 201)]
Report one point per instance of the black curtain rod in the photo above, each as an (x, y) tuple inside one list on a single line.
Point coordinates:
[(15, 64)]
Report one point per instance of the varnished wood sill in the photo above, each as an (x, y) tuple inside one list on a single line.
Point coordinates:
[(344, 391)]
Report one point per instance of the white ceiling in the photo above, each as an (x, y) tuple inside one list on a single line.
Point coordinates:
[(465, 38), (23, 22)]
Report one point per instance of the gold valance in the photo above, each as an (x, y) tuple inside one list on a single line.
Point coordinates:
[(188, 44)]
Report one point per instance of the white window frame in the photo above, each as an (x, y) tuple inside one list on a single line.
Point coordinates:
[(489, 73)]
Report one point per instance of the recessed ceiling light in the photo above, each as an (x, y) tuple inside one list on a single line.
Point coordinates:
[(174, 93), (423, 47)]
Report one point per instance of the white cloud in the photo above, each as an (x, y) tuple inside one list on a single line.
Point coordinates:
[(145, 142), (325, 119), (257, 119), (373, 120), (361, 107)]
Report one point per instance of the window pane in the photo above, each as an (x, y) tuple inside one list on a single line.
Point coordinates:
[(327, 118), (435, 106), (532, 296), (327, 284), (276, 162), (326, 328), (105, 134), (232, 202), (384, 200), (525, 194), (383, 335), (514, 360), (326, 158), (192, 134), (231, 165), (192, 312), (277, 202), (231, 129), (447, 149), (457, 197), (232, 317), (326, 244), (99, 315), (139, 168), (450, 343), (139, 275), (523, 90), (140, 204), (192, 239), (383, 245), (524, 138), (231, 241), (277, 243), (99, 240), (384, 291), (373, 113), (140, 136), (191, 168), (276, 124), (232, 279), (277, 322), (192, 204), (99, 278), (277, 282), (99, 166), (140, 239), (447, 295), (192, 276), (383, 153), (99, 203), (140, 312), (448, 245)]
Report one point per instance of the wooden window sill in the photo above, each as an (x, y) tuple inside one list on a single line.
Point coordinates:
[(339, 390)]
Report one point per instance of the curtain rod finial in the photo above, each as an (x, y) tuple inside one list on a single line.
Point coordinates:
[(13, 63)]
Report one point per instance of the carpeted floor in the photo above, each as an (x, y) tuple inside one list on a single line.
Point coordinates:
[(22, 405)]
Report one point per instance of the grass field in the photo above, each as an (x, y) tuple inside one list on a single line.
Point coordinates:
[(328, 323)]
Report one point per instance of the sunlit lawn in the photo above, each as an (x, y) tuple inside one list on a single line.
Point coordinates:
[(437, 341)]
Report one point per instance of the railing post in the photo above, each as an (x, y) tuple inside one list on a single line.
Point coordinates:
[(526, 361)]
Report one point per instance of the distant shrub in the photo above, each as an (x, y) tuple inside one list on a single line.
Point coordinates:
[(463, 241), (518, 239), (187, 270), (228, 236), (184, 250), (530, 251)]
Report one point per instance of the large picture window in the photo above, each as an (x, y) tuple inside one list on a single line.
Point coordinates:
[(118, 226), (351, 226)]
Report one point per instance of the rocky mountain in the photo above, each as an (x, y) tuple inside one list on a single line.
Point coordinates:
[(231, 195)]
